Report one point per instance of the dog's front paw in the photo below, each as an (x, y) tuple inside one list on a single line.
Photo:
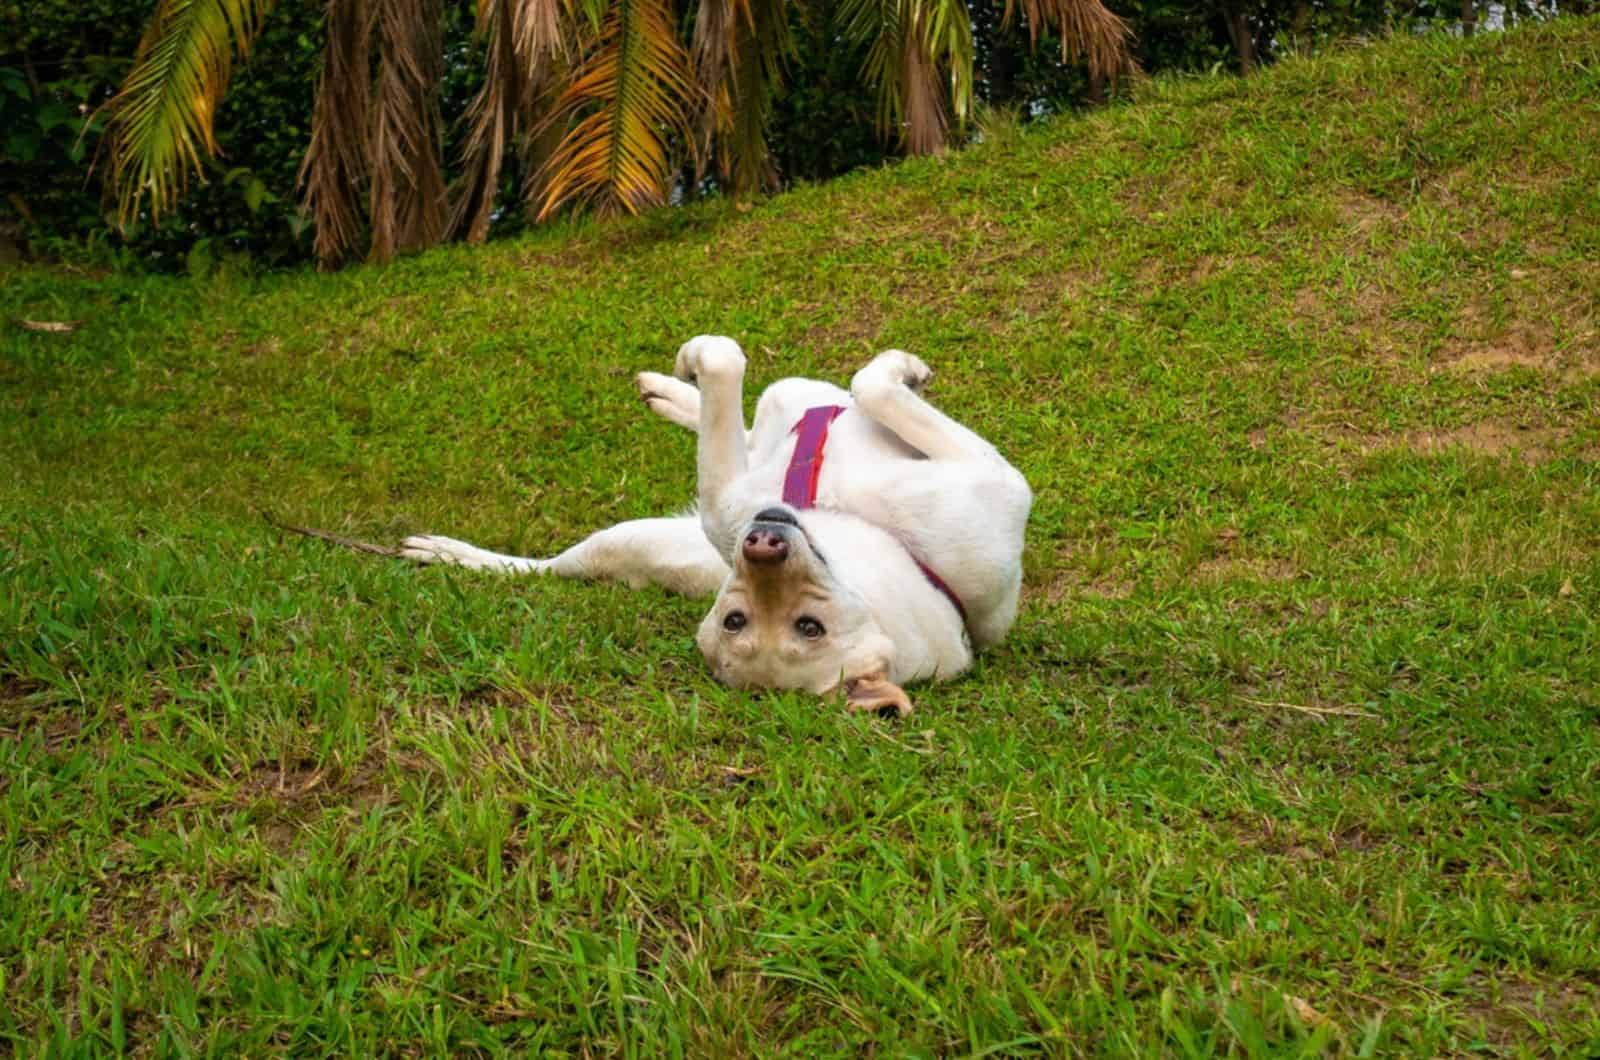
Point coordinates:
[(709, 357), (892, 368), (670, 398), (655, 386)]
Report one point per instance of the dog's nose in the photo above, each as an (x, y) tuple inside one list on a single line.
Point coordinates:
[(776, 515), (764, 545)]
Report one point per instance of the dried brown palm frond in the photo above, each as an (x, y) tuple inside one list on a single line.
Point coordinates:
[(627, 96), (738, 52), (1088, 30), (492, 120), (408, 199), (539, 28), (160, 121), (915, 49), (526, 43), (334, 172)]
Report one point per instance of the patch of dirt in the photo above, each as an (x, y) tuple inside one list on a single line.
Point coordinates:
[(1224, 563), (1266, 835), (1506, 1007), (1497, 359), (281, 783), (1356, 839), (1051, 291), (1082, 571), (14, 689), (1532, 445), (1233, 568), (1069, 584), (1309, 302), (1366, 214), (61, 725), (1529, 445), (858, 327), (1522, 345), (1365, 311)]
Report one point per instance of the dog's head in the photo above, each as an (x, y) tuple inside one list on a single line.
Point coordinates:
[(785, 618)]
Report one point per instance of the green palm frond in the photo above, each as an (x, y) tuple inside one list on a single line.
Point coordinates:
[(159, 128), (629, 94)]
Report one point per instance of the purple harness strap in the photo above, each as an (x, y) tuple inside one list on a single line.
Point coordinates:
[(800, 481), (805, 467)]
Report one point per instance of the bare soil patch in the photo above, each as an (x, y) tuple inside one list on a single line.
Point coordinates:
[(1529, 445), (1523, 345), (1507, 1007), (1364, 215)]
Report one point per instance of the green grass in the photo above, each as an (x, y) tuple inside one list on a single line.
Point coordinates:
[(1295, 747)]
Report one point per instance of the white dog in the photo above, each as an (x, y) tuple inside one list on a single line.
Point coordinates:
[(861, 539)]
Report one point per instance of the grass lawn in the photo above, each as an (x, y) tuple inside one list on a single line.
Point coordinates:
[(1295, 747)]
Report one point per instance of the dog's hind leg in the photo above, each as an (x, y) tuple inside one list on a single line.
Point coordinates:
[(889, 389), (431, 548), (671, 399), (672, 553)]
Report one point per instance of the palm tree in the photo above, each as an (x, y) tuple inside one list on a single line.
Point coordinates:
[(601, 100)]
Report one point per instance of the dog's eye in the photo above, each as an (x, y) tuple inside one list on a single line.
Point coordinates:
[(733, 621), (809, 627)]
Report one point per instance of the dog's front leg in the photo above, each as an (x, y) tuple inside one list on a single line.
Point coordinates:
[(716, 364)]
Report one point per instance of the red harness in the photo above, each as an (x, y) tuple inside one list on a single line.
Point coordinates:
[(805, 466)]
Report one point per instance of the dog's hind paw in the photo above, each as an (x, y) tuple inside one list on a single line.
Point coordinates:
[(892, 368), (426, 548)]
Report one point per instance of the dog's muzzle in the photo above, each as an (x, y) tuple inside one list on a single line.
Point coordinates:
[(776, 515), (767, 540)]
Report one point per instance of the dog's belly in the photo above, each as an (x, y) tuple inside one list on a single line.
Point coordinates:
[(856, 447)]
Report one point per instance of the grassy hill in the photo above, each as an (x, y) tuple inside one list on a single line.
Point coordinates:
[(1295, 746)]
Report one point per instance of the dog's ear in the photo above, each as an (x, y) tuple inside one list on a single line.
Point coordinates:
[(877, 693)]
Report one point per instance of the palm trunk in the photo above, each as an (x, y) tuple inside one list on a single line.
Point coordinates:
[(1243, 41)]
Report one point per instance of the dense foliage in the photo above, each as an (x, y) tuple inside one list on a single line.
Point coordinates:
[(60, 61)]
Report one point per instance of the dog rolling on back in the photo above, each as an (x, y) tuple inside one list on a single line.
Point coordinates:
[(858, 539)]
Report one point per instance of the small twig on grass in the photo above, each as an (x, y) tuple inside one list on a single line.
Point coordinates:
[(54, 327), (927, 737), (334, 539), (1316, 712)]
